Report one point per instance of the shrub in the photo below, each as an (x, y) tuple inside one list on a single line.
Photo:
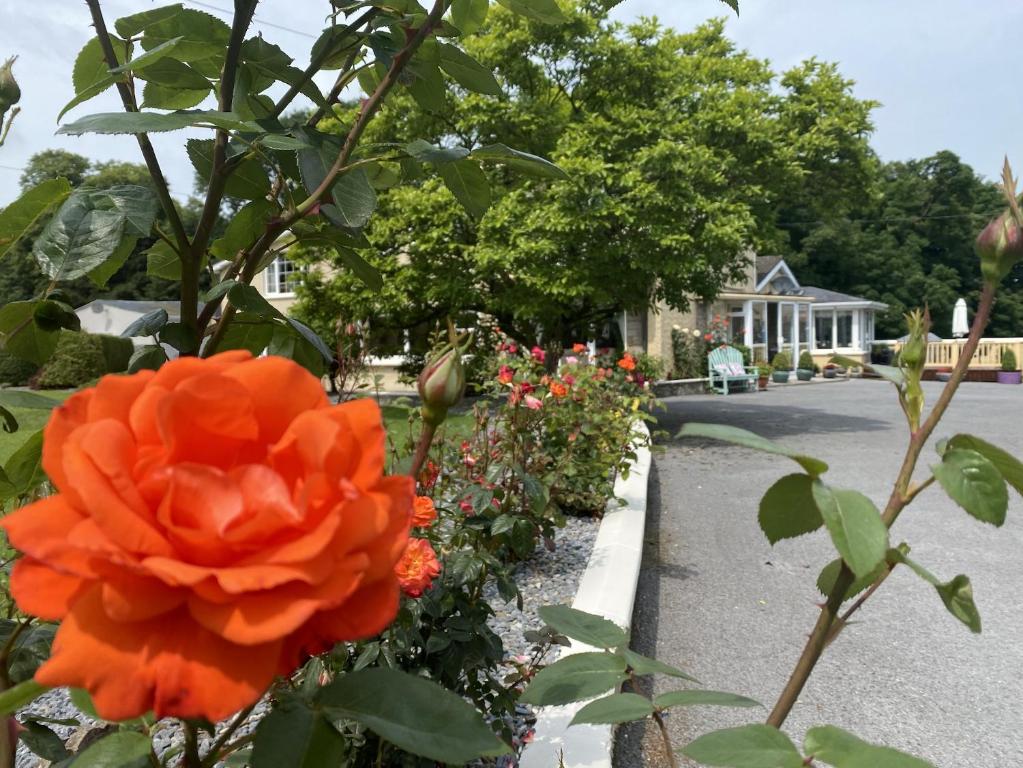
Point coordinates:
[(806, 361), (83, 357), (782, 362), (15, 372), (1009, 361), (881, 354), (689, 353)]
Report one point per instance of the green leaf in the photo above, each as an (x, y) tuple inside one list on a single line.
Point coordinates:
[(155, 122), (886, 372), (644, 665), (855, 525), (24, 469), (414, 714), (20, 335), (50, 315), (43, 741), (293, 734), (788, 509), (180, 337), (468, 184), (703, 698), (248, 180), (613, 709), (101, 275), (249, 299), (78, 238), (137, 204), (83, 702), (147, 325), (311, 351), (175, 74), (20, 695), (523, 162), (843, 750), (19, 398), (92, 91), (157, 96), (974, 483), (428, 88), (203, 35), (733, 4), (361, 268), (748, 746), (163, 261), (245, 227), (1009, 466), (148, 58), (21, 217), (574, 678), (123, 749), (247, 331), (91, 76), (469, 15), (355, 198), (545, 11), (426, 152), (149, 357), (130, 26), (829, 576), (584, 627), (466, 71), (747, 439), (957, 594)]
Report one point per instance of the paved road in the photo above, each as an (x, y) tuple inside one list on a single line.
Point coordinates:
[(715, 598)]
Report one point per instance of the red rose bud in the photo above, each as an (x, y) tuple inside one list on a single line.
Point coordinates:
[(999, 246), (441, 384), (10, 93)]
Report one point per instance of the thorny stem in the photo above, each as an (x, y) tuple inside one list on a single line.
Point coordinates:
[(148, 153), (191, 756), (370, 107), (901, 495), (422, 449)]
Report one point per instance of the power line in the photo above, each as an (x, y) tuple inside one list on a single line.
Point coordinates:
[(255, 19)]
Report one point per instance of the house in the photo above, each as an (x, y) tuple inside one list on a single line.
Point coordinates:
[(768, 311)]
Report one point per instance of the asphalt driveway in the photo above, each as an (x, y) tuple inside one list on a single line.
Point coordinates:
[(716, 599)]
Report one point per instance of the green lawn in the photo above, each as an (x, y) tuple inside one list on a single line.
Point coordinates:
[(29, 421)]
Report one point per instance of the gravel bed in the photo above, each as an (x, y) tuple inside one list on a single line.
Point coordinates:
[(546, 578)]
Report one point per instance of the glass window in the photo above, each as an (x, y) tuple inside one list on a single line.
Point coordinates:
[(759, 322), (804, 324), (822, 324), (844, 320), (282, 276)]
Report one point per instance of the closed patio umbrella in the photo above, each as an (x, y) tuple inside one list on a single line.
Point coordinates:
[(960, 324)]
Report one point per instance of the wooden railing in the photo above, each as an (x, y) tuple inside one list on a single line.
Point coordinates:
[(945, 353)]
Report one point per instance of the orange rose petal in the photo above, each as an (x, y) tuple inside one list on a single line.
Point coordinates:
[(364, 614), (268, 503), (265, 378), (133, 597), (183, 368), (42, 591), (64, 419), (113, 396), (36, 528), (300, 549), (230, 581), (142, 416), (386, 549), (207, 420), (170, 665), (306, 446), (363, 428), (258, 617)]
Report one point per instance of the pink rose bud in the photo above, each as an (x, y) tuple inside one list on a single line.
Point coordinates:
[(999, 246)]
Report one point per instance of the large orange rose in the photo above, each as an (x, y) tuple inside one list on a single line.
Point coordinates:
[(215, 522)]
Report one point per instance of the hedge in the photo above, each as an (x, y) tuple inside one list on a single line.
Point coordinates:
[(15, 372), (83, 357)]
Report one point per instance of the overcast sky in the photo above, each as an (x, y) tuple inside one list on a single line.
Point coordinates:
[(945, 71)]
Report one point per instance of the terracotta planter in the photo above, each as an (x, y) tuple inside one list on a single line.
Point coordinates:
[(1010, 377), (780, 377), (943, 375), (762, 383), (804, 374)]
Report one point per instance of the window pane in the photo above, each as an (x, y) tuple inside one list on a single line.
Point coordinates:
[(804, 319), (845, 325), (822, 330), (760, 322), (282, 276)]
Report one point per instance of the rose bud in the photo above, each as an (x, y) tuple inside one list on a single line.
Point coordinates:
[(10, 93), (999, 246), (441, 385)]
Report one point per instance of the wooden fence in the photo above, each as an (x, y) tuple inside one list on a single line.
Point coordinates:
[(945, 353)]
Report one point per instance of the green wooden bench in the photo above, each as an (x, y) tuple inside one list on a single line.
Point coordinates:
[(725, 365)]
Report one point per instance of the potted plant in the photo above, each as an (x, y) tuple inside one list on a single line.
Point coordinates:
[(943, 374), (805, 370), (830, 370), (763, 374), (1010, 373), (781, 366)]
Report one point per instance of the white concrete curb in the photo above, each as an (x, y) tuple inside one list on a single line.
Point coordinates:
[(607, 588)]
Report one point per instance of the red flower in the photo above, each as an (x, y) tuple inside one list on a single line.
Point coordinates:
[(417, 568), (423, 512), (505, 375), (538, 354), (707, 337), (627, 363), (578, 348), (558, 389), (569, 379)]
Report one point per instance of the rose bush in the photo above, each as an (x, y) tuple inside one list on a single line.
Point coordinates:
[(215, 522)]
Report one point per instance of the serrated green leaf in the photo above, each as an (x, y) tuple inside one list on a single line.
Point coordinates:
[(248, 299), (79, 238), (20, 335), (20, 695), (244, 229), (747, 439), (172, 73), (355, 198), (957, 594), (788, 509), (130, 26), (336, 240), (469, 15), (50, 315), (694, 698), (414, 714), (1009, 466), (466, 71), (974, 483), (855, 525), (545, 11), (43, 741), (156, 96), (102, 274), (24, 469), (156, 122), (248, 180), (844, 750), (829, 576), (614, 709), (163, 261), (584, 627), (147, 58), (296, 735), (428, 88), (147, 325), (21, 217), (426, 152), (91, 66), (574, 678), (644, 665), (123, 749), (468, 184), (203, 35), (523, 162), (748, 746), (249, 331), (149, 357)]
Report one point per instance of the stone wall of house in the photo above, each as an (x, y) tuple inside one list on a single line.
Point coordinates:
[(661, 322)]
